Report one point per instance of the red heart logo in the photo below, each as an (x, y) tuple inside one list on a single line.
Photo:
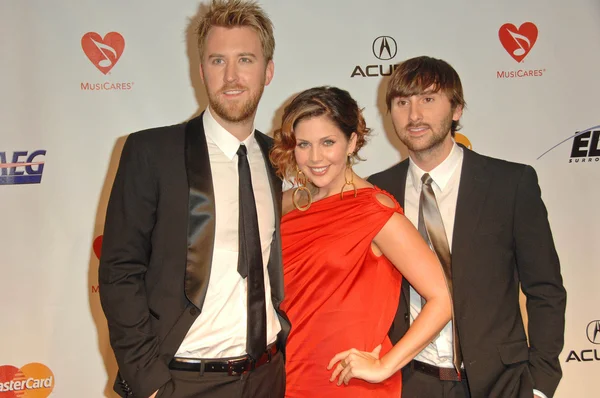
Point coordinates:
[(518, 42), (104, 53), (97, 245)]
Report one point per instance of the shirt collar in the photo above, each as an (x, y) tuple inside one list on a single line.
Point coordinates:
[(440, 174), (226, 142)]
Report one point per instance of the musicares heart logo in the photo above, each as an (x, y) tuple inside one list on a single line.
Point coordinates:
[(97, 246), (518, 42), (103, 52)]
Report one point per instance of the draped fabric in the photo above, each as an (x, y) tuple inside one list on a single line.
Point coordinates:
[(338, 293)]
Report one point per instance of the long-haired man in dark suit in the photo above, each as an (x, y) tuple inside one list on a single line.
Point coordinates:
[(494, 225), (190, 273)]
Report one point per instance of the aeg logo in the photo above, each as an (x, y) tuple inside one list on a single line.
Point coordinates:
[(23, 167)]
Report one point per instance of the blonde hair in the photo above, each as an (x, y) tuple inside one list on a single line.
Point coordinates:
[(237, 13)]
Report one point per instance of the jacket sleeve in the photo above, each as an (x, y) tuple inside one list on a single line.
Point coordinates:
[(541, 282), (126, 248)]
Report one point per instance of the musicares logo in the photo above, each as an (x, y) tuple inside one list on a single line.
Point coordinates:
[(97, 247), (518, 43), (104, 53), (33, 380)]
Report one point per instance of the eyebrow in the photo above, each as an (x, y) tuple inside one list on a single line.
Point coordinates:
[(426, 92), (217, 55), (321, 139)]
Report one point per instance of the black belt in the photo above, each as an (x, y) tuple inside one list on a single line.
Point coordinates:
[(232, 366), (445, 374)]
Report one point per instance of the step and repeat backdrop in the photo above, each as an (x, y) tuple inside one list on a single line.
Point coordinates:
[(78, 77)]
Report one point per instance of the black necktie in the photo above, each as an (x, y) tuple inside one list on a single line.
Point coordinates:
[(431, 227), (250, 263)]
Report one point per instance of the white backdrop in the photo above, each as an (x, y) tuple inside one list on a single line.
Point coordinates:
[(55, 99)]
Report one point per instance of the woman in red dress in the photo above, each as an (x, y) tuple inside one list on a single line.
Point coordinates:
[(346, 245)]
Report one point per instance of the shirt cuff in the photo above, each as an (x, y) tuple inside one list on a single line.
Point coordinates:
[(539, 393)]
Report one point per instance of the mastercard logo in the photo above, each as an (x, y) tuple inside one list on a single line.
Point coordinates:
[(34, 380), (461, 139)]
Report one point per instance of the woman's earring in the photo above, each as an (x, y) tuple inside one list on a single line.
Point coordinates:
[(350, 180), (302, 181)]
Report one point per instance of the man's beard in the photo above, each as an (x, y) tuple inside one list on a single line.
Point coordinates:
[(435, 139), (235, 112)]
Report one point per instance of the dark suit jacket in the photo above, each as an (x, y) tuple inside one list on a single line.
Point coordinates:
[(157, 250), (501, 238)]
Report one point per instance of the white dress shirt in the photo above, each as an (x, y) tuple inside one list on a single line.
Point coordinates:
[(446, 181), (220, 330)]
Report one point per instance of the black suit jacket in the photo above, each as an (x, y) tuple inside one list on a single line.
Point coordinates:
[(157, 250), (501, 239)]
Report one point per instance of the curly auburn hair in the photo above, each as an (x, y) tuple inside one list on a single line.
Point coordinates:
[(335, 103)]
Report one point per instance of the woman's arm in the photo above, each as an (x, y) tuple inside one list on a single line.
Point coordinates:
[(402, 244)]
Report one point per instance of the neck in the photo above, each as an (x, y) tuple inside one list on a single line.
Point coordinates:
[(429, 159), (240, 130)]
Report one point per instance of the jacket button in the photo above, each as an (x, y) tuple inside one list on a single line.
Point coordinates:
[(193, 311), (406, 316)]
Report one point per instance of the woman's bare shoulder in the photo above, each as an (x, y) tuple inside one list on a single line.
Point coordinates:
[(287, 204)]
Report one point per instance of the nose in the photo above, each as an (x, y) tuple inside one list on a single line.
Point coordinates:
[(415, 114), (315, 154), (231, 72)]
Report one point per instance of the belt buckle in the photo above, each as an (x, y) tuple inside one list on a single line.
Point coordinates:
[(245, 362)]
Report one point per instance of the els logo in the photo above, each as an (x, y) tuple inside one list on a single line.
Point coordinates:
[(33, 380), (518, 42), (105, 52), (585, 148), (22, 168)]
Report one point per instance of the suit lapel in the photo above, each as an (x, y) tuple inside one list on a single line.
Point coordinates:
[(473, 189), (201, 213), (275, 261), (398, 190), (274, 181)]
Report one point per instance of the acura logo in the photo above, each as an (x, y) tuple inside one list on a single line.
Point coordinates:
[(593, 332), (384, 48)]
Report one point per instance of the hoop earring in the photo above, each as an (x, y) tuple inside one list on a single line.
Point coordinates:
[(349, 181), (301, 180)]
